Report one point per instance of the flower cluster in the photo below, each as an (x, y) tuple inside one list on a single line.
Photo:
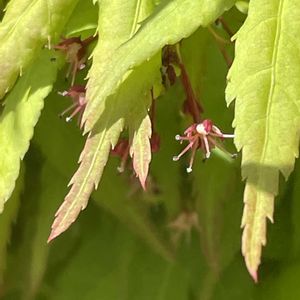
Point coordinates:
[(203, 136), (75, 50)]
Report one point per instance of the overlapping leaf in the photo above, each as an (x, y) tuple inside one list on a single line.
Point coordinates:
[(140, 150), (99, 143), (170, 22), (21, 112), (113, 111), (24, 29), (266, 85), (84, 19)]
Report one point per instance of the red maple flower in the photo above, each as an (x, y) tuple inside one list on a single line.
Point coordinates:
[(204, 136), (122, 150), (77, 94), (75, 51)]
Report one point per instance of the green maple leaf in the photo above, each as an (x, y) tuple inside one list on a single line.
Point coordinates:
[(140, 132), (170, 22), (266, 85), (21, 112), (25, 28)]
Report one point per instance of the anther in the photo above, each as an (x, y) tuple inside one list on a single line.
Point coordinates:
[(189, 169)]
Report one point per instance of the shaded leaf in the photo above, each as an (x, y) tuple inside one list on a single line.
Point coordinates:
[(170, 22), (131, 209), (21, 112), (43, 187), (114, 264), (267, 116), (6, 221), (83, 19), (24, 29), (52, 186)]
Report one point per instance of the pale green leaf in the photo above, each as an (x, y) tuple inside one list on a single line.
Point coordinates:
[(114, 111), (170, 22), (21, 112), (25, 28), (242, 6), (92, 162), (140, 149), (266, 85)]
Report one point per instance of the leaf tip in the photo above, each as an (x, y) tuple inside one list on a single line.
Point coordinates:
[(52, 235), (143, 182), (253, 273)]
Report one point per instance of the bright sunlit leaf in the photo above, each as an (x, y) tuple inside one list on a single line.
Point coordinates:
[(265, 82)]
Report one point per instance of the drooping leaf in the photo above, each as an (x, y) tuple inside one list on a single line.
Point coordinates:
[(170, 22), (92, 162), (114, 111), (140, 149), (267, 115), (21, 112), (26, 26)]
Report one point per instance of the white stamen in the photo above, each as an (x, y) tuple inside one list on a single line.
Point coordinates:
[(217, 130), (175, 158), (207, 155), (64, 93), (120, 169), (189, 169), (68, 119), (228, 136), (177, 137)]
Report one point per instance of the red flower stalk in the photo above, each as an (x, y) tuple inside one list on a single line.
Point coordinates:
[(75, 51), (122, 150), (204, 136), (169, 60), (77, 94)]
